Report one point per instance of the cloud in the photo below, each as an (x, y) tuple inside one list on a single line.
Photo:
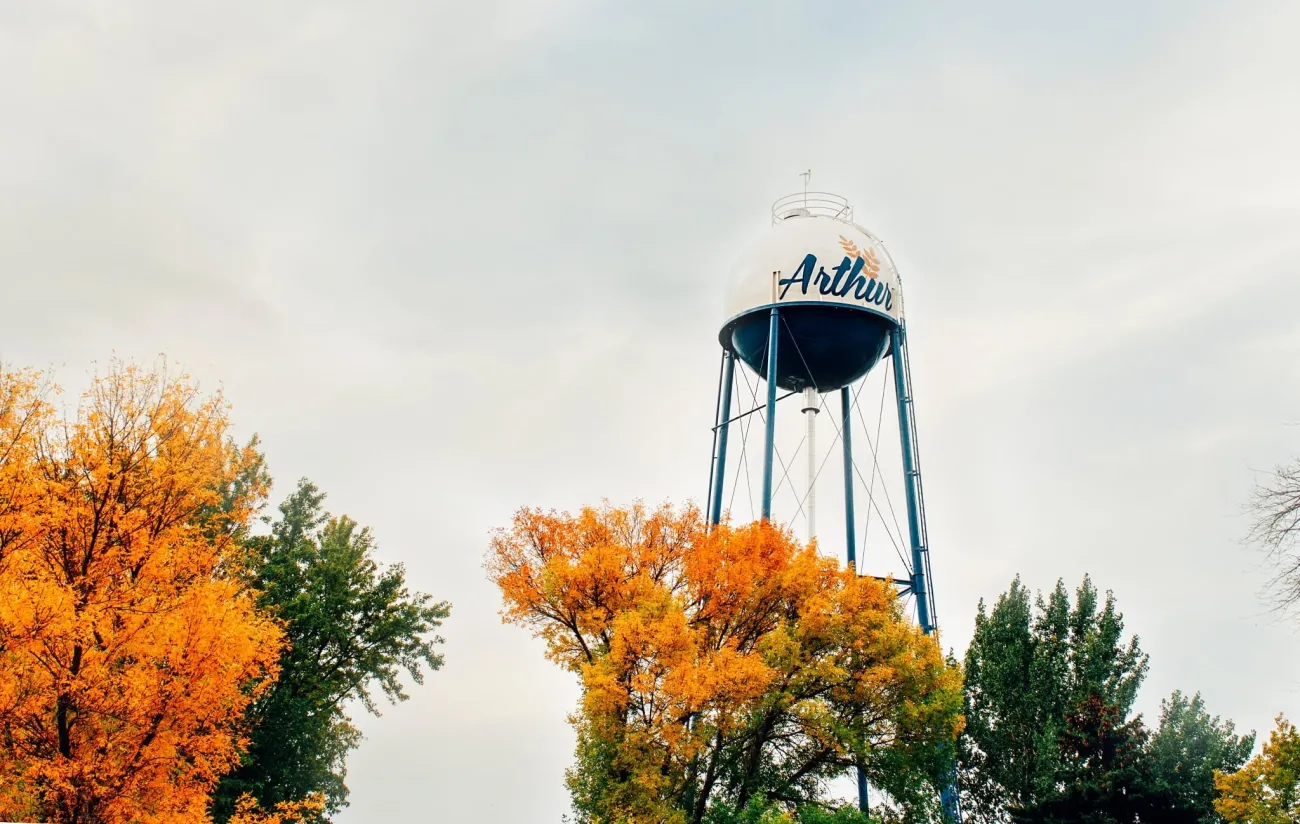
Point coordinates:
[(451, 259)]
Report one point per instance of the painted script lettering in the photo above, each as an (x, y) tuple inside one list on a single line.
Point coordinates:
[(847, 278)]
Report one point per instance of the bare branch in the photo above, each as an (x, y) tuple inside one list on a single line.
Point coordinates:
[(1275, 505)]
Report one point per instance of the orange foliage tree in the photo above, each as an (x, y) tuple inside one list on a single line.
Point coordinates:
[(126, 651), (720, 666)]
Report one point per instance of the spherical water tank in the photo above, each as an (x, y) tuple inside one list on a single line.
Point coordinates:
[(835, 285)]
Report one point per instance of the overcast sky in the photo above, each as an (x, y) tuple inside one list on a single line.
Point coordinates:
[(449, 260)]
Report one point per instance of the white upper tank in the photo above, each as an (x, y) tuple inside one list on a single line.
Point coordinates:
[(814, 253)]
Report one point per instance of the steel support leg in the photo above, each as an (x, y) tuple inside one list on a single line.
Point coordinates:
[(720, 468), (863, 806), (850, 529), (916, 527), (911, 480)]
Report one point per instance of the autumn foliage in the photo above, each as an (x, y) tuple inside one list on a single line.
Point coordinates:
[(126, 650), (717, 666), (248, 811), (1266, 790)]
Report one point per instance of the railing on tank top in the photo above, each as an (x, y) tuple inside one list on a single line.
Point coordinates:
[(802, 204)]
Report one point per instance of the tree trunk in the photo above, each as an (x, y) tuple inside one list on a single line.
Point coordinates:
[(61, 713)]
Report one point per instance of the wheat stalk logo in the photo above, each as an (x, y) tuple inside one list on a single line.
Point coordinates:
[(870, 264)]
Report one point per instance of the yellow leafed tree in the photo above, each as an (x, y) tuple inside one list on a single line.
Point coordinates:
[(247, 811), (126, 652), (1267, 789)]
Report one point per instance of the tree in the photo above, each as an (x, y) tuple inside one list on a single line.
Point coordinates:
[(1049, 735), (127, 655), (1275, 505), (1033, 677), (353, 629), (1189, 747), (247, 811), (1105, 775), (720, 666), (1267, 790), (761, 811)]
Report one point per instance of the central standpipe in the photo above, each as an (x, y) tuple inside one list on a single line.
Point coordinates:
[(810, 413), (769, 445)]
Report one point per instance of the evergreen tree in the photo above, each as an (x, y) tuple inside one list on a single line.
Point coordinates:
[(353, 629)]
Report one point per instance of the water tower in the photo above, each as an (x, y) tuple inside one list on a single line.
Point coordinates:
[(811, 308)]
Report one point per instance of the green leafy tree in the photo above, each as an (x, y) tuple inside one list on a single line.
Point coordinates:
[(1050, 737), (1189, 747), (1028, 672), (353, 628)]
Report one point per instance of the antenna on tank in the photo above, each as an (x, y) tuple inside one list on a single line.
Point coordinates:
[(806, 177)]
